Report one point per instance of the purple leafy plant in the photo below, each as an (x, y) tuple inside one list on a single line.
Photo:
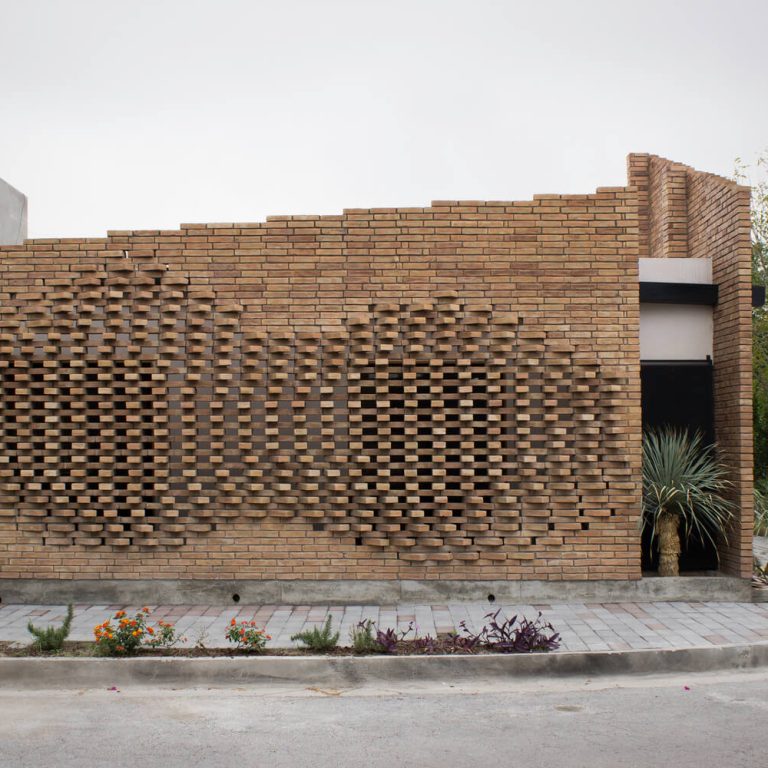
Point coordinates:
[(388, 639), (517, 636)]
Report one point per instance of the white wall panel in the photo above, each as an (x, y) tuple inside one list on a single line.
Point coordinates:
[(675, 331), (676, 270)]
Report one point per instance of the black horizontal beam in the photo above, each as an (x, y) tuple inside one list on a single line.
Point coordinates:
[(678, 293), (677, 363)]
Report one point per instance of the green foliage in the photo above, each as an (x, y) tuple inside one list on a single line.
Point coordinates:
[(760, 390), (760, 314), (318, 638), (363, 638), (761, 508), (51, 638), (682, 477)]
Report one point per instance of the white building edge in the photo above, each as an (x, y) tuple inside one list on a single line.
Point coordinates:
[(13, 215)]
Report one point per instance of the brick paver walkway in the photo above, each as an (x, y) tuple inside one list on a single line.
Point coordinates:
[(584, 627)]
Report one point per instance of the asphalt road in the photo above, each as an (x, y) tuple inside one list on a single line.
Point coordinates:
[(697, 721)]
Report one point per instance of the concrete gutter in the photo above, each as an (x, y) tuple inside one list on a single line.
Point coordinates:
[(345, 671)]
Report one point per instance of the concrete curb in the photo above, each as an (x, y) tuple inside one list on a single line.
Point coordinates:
[(335, 671)]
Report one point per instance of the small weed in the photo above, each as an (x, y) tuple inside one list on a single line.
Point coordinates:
[(201, 639), (363, 640)]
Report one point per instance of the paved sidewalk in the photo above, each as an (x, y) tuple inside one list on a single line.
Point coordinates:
[(584, 627)]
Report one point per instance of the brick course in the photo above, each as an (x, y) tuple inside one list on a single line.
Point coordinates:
[(448, 392)]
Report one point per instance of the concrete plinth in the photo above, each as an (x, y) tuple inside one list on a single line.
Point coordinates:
[(369, 592)]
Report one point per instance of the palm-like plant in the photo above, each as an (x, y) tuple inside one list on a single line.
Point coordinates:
[(684, 492)]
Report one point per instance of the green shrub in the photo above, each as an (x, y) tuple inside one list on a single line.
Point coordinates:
[(317, 638), (51, 638)]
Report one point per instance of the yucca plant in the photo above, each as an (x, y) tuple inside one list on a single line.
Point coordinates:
[(684, 493)]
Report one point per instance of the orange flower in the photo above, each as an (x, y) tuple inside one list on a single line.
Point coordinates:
[(233, 622), (269, 637), (119, 648), (150, 630), (145, 609)]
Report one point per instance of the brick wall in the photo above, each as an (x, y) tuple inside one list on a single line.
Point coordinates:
[(448, 392), (692, 214)]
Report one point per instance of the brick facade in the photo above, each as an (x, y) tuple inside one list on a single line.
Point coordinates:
[(448, 392), (686, 213)]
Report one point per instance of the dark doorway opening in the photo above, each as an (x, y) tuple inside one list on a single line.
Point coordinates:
[(680, 394)]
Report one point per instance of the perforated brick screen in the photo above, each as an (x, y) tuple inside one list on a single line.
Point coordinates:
[(448, 392)]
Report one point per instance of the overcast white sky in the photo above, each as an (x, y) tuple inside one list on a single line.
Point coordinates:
[(146, 114)]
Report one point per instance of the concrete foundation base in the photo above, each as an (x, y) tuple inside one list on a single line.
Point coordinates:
[(339, 592)]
